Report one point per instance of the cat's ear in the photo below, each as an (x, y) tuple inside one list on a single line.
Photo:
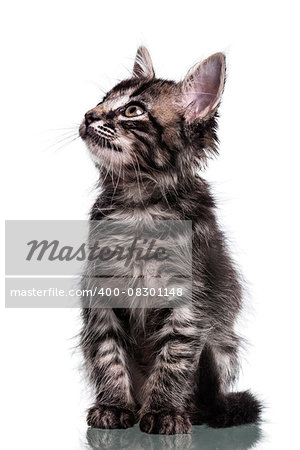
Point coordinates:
[(201, 90), (143, 65)]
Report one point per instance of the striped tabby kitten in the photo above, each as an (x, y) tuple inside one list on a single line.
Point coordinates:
[(167, 368)]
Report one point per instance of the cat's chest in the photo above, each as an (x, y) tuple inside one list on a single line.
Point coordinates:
[(142, 260), (141, 325)]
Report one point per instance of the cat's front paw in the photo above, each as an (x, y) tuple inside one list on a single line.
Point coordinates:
[(165, 422), (102, 416)]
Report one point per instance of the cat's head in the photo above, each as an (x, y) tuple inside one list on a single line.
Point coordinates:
[(151, 124)]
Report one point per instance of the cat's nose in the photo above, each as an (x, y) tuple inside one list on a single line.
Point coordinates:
[(91, 116)]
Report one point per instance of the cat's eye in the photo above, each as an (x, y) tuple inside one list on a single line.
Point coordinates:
[(133, 111)]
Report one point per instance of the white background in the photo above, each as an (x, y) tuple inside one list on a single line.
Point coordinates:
[(55, 57)]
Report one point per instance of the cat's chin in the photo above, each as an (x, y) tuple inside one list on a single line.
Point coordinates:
[(104, 156), (100, 154)]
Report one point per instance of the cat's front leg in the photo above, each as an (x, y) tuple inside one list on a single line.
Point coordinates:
[(169, 390), (107, 363)]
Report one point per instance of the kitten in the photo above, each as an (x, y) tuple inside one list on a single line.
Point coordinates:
[(167, 368)]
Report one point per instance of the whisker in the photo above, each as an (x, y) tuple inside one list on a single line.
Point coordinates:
[(137, 179), (107, 172), (66, 142), (116, 185), (64, 138), (70, 128)]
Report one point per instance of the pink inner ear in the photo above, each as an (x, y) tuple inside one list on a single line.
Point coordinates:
[(202, 88)]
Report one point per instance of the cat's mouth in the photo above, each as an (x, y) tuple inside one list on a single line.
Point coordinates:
[(100, 136)]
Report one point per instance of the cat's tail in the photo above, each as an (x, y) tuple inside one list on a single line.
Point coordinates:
[(228, 410), (218, 409)]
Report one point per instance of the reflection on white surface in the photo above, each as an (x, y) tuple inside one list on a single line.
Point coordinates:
[(235, 438)]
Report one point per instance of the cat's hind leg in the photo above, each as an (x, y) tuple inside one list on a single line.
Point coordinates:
[(217, 407)]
